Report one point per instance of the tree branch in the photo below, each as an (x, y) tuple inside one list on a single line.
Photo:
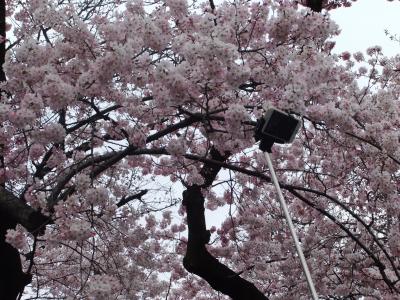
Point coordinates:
[(197, 259), (125, 200), (99, 115), (21, 212), (314, 5), (13, 211), (12, 278)]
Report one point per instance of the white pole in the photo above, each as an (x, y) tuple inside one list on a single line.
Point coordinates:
[(291, 227)]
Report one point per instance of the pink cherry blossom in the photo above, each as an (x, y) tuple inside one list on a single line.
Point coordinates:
[(109, 111)]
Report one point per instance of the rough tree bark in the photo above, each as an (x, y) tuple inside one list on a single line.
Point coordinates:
[(197, 259)]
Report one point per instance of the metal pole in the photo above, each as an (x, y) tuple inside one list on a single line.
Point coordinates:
[(291, 227)]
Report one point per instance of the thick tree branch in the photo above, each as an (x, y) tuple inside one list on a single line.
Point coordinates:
[(125, 200), (197, 259), (99, 115), (71, 172), (315, 5), (12, 278), (21, 212)]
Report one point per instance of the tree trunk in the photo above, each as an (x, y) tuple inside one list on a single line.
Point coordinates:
[(197, 259), (12, 278), (200, 262)]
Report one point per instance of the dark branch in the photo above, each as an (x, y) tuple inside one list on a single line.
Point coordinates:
[(99, 115), (125, 200), (182, 124), (315, 5), (197, 259), (22, 213), (12, 278), (71, 172), (13, 211)]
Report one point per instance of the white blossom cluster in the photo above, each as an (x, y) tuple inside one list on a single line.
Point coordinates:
[(102, 287), (176, 147), (17, 238), (78, 230)]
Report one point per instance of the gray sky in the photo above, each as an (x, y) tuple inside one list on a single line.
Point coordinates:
[(364, 23)]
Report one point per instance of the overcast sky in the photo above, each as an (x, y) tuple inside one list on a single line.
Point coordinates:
[(364, 23)]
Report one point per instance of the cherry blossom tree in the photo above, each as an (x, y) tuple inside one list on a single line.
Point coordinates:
[(124, 123)]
